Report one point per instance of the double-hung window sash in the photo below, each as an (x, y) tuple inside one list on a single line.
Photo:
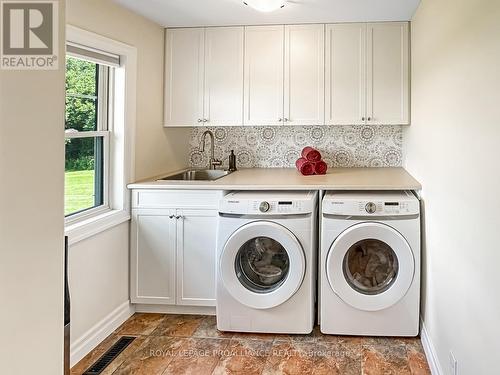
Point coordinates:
[(101, 128)]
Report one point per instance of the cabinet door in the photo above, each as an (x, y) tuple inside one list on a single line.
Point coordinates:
[(345, 74), (184, 55), (152, 263), (388, 81), (196, 249), (304, 74), (263, 98), (224, 76)]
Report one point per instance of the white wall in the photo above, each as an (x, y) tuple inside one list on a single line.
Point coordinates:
[(99, 266), (157, 150), (99, 283), (31, 218), (453, 149), (98, 277)]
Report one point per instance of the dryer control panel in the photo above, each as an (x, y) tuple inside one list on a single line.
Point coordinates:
[(268, 203), (371, 203)]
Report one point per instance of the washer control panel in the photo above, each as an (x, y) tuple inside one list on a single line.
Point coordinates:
[(371, 204), (278, 206), (260, 203)]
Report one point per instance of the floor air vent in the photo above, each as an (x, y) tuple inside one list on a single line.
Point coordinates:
[(109, 356)]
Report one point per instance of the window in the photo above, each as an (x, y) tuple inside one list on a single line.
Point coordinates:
[(86, 135), (101, 80)]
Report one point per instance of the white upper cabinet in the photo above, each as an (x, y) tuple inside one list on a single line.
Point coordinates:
[(340, 74), (263, 95), (304, 75), (184, 65), (388, 76), (345, 74), (223, 99), (367, 79), (204, 76)]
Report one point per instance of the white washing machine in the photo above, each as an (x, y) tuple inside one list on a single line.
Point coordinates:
[(370, 264), (266, 251)]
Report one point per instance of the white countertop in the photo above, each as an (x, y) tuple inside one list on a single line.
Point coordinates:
[(291, 179)]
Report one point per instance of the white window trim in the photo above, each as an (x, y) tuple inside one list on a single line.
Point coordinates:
[(121, 151)]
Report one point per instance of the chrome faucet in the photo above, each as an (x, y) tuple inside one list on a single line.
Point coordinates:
[(213, 162)]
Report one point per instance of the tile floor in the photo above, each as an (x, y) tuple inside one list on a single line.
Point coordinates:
[(191, 344)]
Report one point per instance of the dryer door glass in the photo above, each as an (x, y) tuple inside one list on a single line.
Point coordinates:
[(262, 264), (370, 266)]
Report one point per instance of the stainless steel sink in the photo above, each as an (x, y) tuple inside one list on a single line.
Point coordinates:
[(197, 175)]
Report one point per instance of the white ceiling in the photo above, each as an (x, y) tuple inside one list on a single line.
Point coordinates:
[(177, 13)]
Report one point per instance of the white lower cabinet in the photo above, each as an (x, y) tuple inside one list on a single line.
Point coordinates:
[(153, 248), (173, 249), (196, 247)]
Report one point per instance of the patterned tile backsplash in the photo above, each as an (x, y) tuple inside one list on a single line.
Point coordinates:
[(280, 146)]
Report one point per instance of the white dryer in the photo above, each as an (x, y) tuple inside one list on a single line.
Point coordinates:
[(370, 264), (266, 251)]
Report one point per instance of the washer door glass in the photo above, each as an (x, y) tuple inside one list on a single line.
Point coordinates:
[(370, 266), (262, 264)]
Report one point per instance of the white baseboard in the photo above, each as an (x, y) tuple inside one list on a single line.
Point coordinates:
[(95, 335), (175, 309), (430, 351)]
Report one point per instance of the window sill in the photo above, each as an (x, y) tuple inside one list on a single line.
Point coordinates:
[(89, 227)]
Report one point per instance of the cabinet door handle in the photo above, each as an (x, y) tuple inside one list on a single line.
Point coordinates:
[(369, 119), (170, 216), (205, 120), (200, 120), (362, 119), (179, 217), (280, 119), (285, 119)]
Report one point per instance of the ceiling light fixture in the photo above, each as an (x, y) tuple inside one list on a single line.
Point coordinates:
[(265, 5)]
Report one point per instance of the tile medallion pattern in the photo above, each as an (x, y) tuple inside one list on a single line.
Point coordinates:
[(279, 146), (191, 344)]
